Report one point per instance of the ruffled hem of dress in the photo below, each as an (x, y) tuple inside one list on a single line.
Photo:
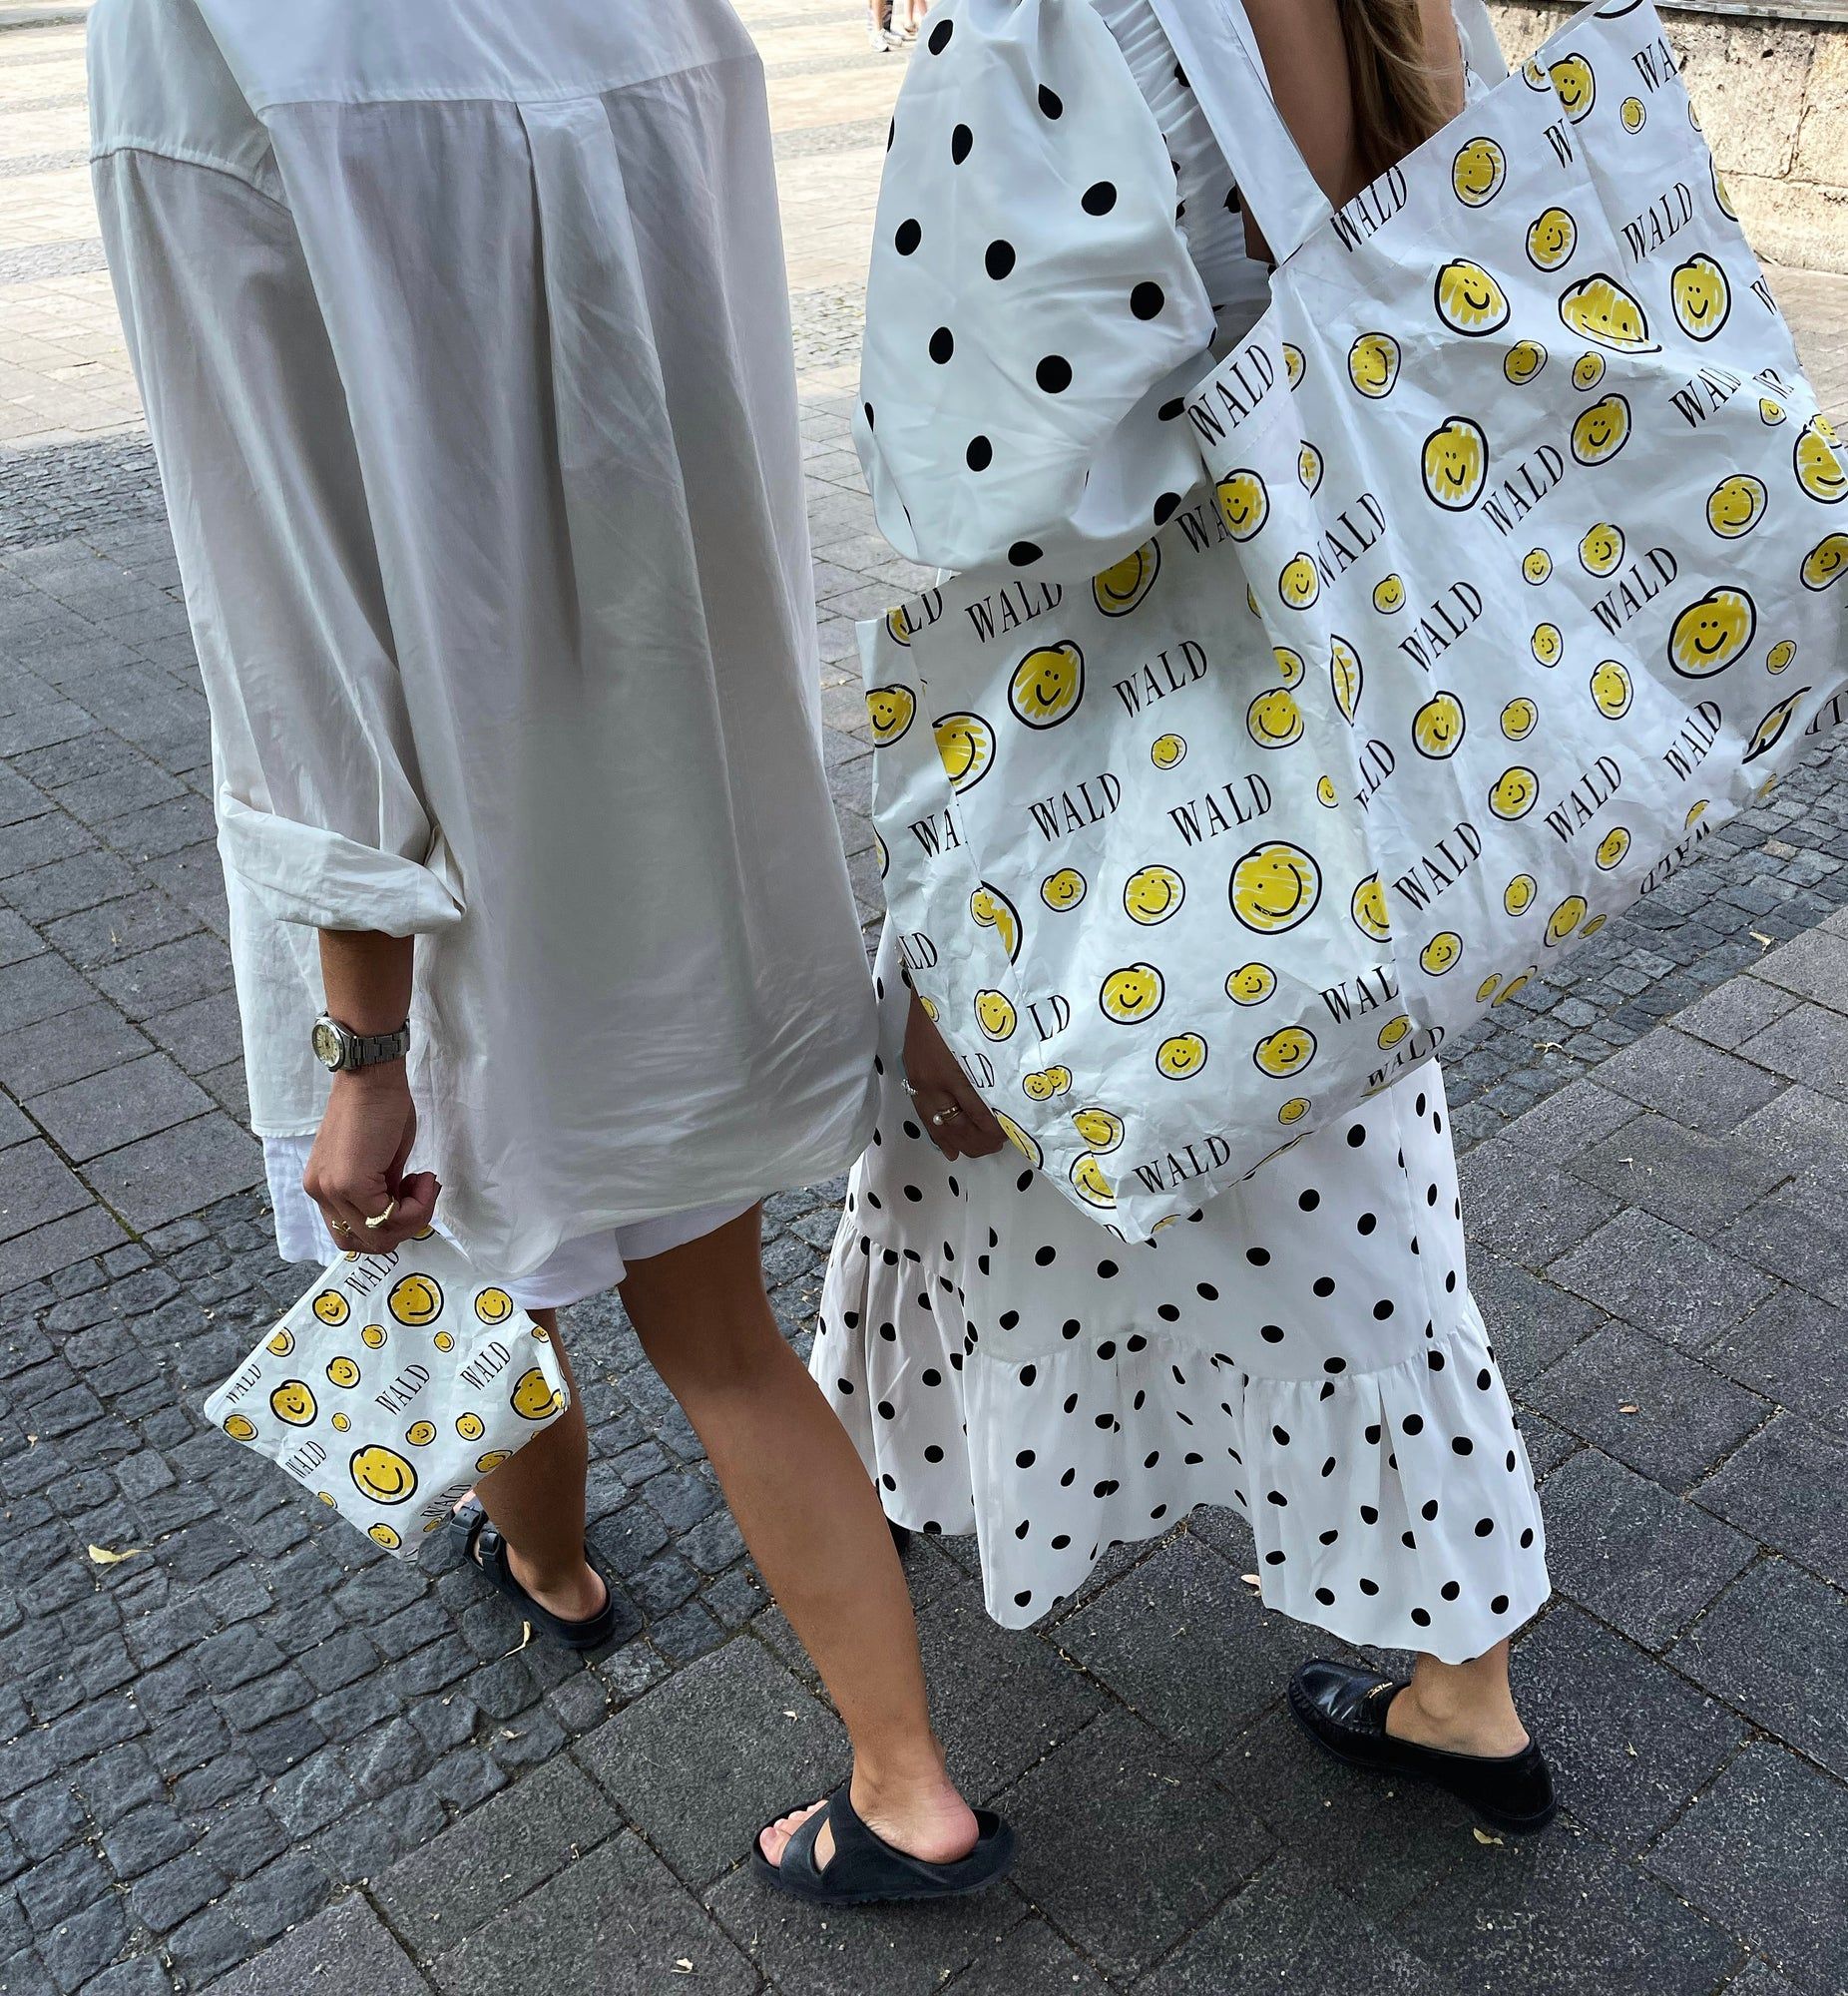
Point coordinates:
[(1437, 1543)]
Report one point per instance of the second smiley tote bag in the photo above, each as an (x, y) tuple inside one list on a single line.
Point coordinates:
[(1514, 570), (393, 1385)]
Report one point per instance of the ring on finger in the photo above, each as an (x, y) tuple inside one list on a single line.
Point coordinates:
[(944, 1116)]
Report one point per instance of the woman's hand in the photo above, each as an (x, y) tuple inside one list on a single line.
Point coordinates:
[(357, 1167), (955, 1117)]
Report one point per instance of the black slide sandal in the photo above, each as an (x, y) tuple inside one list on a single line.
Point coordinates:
[(488, 1550), (865, 1869)]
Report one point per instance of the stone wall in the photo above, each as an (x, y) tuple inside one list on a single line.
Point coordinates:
[(1772, 94)]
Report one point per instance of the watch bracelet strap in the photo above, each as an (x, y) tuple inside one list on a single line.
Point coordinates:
[(370, 1049)]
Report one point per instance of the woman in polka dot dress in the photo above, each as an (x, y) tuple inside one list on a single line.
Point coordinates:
[(1306, 1349)]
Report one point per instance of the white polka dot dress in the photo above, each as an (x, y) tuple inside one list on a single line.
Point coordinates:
[(1305, 1351)]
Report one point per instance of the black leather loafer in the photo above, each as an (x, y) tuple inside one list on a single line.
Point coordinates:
[(1343, 1710)]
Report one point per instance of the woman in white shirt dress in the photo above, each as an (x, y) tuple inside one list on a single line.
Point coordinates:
[(463, 334), (1305, 1351)]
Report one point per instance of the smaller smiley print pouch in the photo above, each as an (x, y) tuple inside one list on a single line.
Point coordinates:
[(394, 1385)]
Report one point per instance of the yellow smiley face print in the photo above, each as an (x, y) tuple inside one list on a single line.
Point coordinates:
[(382, 1535), (1100, 1128), (989, 908), (1514, 985), (1565, 918), (1823, 565), (1470, 300), (1601, 550), (1721, 198), (1368, 909), (1456, 461), (1252, 984), (239, 1427), (1437, 727), (494, 1305), (891, 709), (1309, 468), (1518, 895), (1393, 1032), (373, 1336), (1533, 73), (415, 1299), (1295, 365), (1048, 685), (1487, 989), (1244, 503), (1299, 584), (1181, 1057), (420, 1434), (382, 1474), (1601, 430), (1524, 361), (1091, 1183), (1389, 595), (331, 1307), (1289, 665), (1518, 718), (343, 1371), (1551, 236), (1610, 689), (1548, 646), (1514, 793), (1273, 719), (1346, 678), (1600, 309), (898, 623), (1711, 633), (1478, 172), (1168, 751), (1062, 891), (444, 1341), (1121, 586), (1325, 792), (1441, 955), (964, 747), (1782, 656), (1576, 84), (469, 1428), (1276, 887), (292, 1403), (1132, 994), (1049, 1081), (995, 1015), (340, 1422), (1294, 1109), (281, 1344), (1154, 893), (1770, 413), (533, 1397), (1373, 364), (1588, 370), (1286, 1052), (1633, 114), (1818, 464), (1021, 1140), (1536, 566), (1736, 505), (1702, 296), (1770, 729), (1612, 847)]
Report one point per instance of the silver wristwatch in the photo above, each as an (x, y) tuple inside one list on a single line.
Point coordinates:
[(341, 1050)]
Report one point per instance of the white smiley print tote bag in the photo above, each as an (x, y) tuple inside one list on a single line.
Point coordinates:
[(392, 1386), (1515, 570)]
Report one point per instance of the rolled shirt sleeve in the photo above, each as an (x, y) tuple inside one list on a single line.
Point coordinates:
[(320, 809)]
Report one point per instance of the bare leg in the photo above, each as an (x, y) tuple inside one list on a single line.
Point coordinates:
[(1462, 1708), (537, 1503), (813, 1524)]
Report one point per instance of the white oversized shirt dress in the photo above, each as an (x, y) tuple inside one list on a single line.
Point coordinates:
[(1305, 1349), (463, 333)]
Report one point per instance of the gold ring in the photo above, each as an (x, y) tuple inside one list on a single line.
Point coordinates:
[(391, 1207)]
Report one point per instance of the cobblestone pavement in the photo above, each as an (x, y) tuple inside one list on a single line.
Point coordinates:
[(252, 1752)]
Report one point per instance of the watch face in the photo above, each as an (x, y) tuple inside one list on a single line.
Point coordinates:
[(328, 1048)]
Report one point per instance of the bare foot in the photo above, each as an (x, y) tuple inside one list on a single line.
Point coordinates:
[(575, 1598), (936, 1825), (1490, 1731)]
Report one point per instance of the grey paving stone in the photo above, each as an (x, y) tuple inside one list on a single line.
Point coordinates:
[(1281, 1933), (1178, 1844), (66, 885), (1760, 1851), (702, 1761), (1687, 1081), (1629, 1741), (1557, 1916), (68, 1047), (35, 1187), (444, 1893), (179, 1171), (1808, 1042), (1785, 1486), (1002, 1698), (1639, 1559), (104, 1112), (170, 975), (1523, 1210), (1813, 966), (1031, 1961), (347, 1947), (39, 988), (1531, 1322), (1648, 1404), (1810, 1131), (200, 1034), (616, 1922), (1181, 1639), (1773, 1644), (1697, 1183), (1794, 1350), (1729, 1016), (1580, 1114), (1662, 1279)]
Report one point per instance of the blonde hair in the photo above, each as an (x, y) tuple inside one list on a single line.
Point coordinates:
[(1400, 97)]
